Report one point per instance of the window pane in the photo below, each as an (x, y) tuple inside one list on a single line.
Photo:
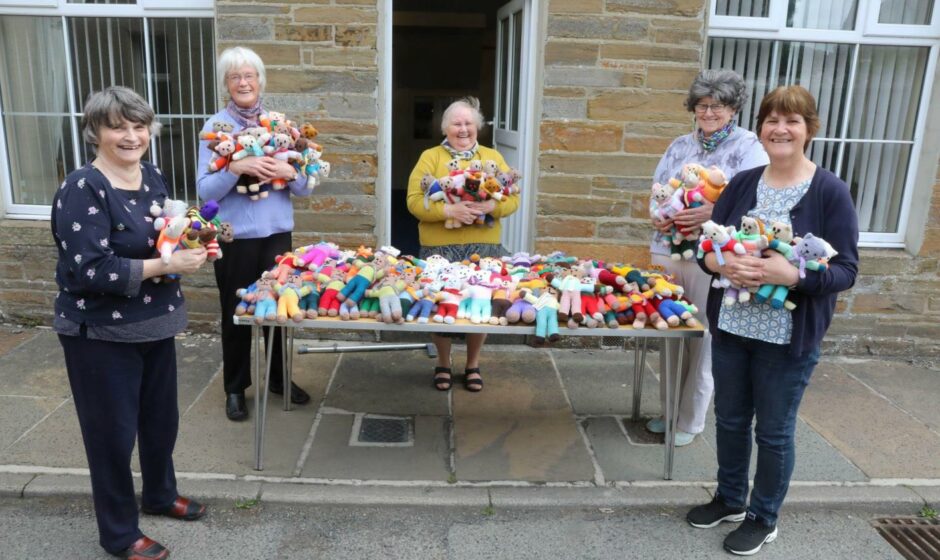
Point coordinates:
[(184, 66), (908, 12), (501, 98), (888, 86), (813, 14), (825, 154), (822, 68), (107, 52), (176, 154), (876, 174), (35, 179), (747, 8), (752, 59), (32, 65), (516, 68)]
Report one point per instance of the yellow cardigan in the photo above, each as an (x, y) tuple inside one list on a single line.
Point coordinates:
[(431, 230)]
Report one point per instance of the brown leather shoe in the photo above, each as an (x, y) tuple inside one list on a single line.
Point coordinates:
[(182, 508), (144, 548)]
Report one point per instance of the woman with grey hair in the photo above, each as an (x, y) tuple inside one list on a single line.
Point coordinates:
[(715, 98), (116, 326), (459, 125), (262, 227)]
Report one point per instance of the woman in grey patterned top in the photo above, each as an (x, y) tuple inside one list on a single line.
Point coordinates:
[(715, 97)]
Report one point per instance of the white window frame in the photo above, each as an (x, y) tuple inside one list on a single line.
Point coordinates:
[(144, 9), (892, 35)]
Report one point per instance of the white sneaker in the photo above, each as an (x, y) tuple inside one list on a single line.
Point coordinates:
[(658, 426)]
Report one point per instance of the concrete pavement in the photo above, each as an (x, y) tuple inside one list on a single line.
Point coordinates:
[(552, 427)]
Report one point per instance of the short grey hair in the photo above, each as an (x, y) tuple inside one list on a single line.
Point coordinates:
[(236, 57), (725, 86), (468, 102), (110, 106)]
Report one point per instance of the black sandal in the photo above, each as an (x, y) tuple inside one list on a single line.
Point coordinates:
[(472, 385), (442, 380)]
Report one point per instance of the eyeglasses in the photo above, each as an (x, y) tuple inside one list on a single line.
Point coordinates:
[(704, 107), (236, 78)]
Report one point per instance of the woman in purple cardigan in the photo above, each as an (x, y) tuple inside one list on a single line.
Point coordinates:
[(262, 227), (763, 357)]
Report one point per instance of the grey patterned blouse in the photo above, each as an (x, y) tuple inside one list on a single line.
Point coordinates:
[(740, 150), (760, 320)]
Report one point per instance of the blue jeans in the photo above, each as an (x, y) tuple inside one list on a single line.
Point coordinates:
[(753, 377)]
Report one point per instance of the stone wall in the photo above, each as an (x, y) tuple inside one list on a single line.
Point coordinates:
[(616, 74)]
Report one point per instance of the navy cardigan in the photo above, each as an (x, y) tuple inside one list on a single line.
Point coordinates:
[(826, 211)]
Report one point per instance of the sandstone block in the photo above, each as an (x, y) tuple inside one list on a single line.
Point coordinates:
[(581, 137)]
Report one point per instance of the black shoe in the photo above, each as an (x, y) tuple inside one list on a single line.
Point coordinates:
[(235, 407), (297, 395), (713, 513), (749, 537)]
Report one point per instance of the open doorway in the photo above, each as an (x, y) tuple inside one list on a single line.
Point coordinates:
[(441, 51)]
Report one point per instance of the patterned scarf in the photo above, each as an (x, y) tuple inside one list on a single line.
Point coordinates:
[(709, 144), (464, 155), (245, 116)]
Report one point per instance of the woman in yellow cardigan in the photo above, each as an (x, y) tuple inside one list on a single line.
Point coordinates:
[(459, 124)]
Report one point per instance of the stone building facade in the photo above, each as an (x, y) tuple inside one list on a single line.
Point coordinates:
[(611, 77)]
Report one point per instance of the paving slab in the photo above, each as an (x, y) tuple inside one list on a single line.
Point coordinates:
[(198, 359), (929, 494), (209, 442), (10, 338), (883, 441), (323, 495), (816, 458), (331, 455), (12, 484), (598, 497), (19, 414), (388, 383), (623, 460), (600, 382), (40, 358), (54, 442), (520, 427), (914, 389)]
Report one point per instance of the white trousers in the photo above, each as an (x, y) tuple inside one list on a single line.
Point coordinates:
[(696, 386)]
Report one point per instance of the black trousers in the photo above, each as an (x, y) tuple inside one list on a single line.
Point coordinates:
[(125, 392), (242, 262)]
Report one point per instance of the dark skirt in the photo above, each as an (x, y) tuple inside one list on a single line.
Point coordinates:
[(457, 253)]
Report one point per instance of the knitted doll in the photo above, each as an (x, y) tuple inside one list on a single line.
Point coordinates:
[(265, 300), (333, 280), (310, 301), (288, 300), (546, 317), (387, 290)]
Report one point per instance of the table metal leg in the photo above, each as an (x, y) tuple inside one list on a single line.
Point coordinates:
[(673, 382), (285, 365), (637, 379), (256, 376), (261, 402)]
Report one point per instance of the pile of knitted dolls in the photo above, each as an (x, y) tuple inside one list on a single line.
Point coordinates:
[(697, 184), (188, 227), (481, 180), (276, 137), (320, 280)]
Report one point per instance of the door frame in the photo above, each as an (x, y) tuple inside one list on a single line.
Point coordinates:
[(531, 56)]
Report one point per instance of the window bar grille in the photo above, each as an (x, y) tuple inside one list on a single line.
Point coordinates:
[(148, 73), (70, 88)]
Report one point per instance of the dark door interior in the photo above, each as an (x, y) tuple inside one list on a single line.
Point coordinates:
[(441, 51)]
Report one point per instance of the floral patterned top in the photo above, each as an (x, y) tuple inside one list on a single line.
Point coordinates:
[(760, 320), (103, 235)]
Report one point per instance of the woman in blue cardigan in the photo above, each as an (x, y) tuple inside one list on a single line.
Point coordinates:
[(762, 357)]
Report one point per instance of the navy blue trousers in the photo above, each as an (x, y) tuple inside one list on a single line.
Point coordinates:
[(757, 379), (125, 392)]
